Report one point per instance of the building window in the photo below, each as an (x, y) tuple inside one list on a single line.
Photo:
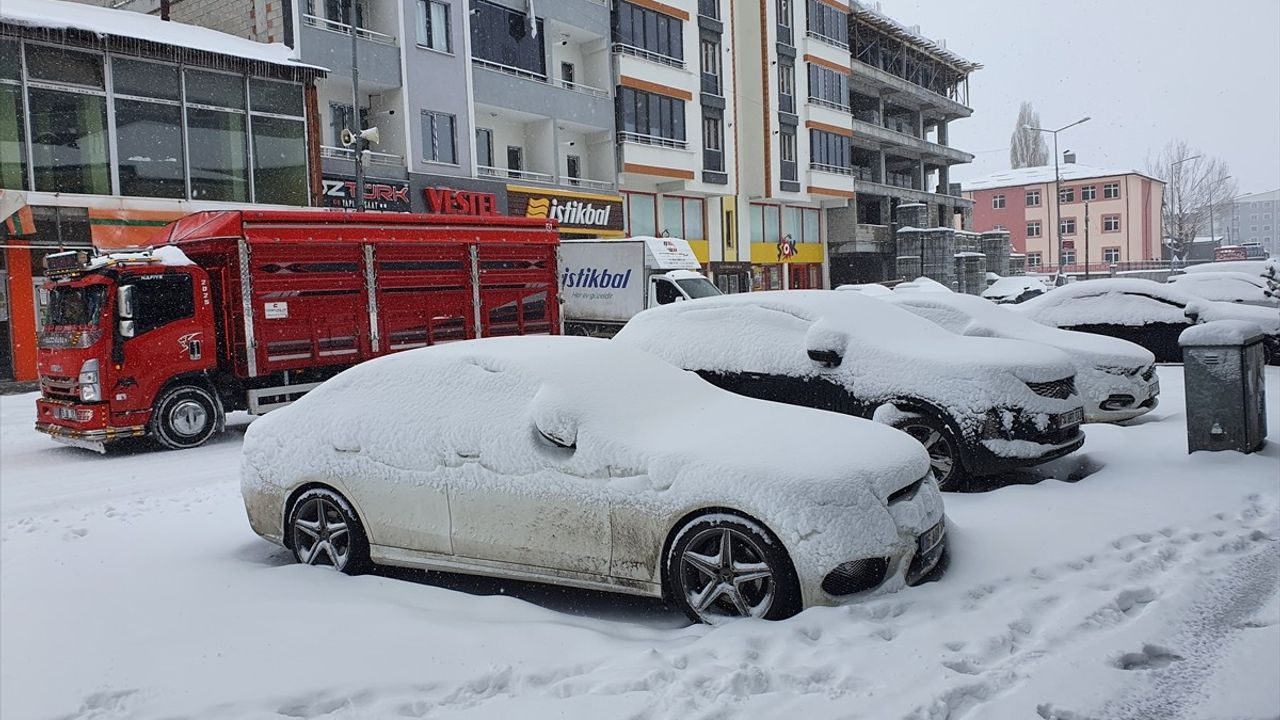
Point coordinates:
[(277, 134), (433, 25), (641, 214), (68, 128), (439, 143), (649, 30), (828, 23), (651, 116), (1111, 191), (682, 217), (1067, 226), (216, 134), (13, 165), (573, 168), (712, 143), (997, 202), (515, 160), (484, 147), (502, 36), (787, 151), (149, 129), (800, 224), (1253, 216), (1110, 255), (829, 151), (340, 118), (1033, 260), (1000, 228), (828, 87), (786, 87), (1033, 229), (1033, 198), (710, 66), (1089, 192), (1068, 256), (709, 8), (1110, 223), (1067, 195)]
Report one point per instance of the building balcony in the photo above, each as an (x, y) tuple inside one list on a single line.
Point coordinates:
[(532, 92), (321, 41), (901, 186), (661, 158), (919, 148), (871, 80)]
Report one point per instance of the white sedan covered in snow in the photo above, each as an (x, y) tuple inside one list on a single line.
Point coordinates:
[(587, 463), (1232, 287), (1116, 378)]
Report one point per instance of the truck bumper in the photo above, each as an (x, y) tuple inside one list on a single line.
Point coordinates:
[(81, 425)]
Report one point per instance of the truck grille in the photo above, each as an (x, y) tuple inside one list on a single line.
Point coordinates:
[(59, 388), (1059, 389)]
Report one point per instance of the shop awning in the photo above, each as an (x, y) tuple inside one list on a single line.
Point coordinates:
[(16, 214)]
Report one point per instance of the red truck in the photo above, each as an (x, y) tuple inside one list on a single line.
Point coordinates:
[(248, 310)]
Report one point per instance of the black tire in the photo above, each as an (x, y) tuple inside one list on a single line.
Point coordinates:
[(697, 568), (324, 530), (943, 449), (185, 416)]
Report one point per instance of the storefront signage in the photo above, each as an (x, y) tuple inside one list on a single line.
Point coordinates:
[(786, 248), (448, 201), (583, 213), (379, 194)]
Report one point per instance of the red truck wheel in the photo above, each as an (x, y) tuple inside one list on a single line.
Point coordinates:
[(185, 417)]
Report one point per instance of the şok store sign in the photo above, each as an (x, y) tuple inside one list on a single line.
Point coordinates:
[(578, 213)]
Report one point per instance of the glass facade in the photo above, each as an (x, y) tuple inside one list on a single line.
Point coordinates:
[(147, 128)]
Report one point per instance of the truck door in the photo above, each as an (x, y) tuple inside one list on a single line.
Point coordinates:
[(662, 291), (168, 337)]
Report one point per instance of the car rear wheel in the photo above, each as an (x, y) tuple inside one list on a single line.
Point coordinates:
[(323, 530), (185, 416), (944, 451), (723, 566)]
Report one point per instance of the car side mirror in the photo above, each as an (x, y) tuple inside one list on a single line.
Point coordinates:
[(826, 358), (556, 426)]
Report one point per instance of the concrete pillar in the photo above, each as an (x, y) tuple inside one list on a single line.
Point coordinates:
[(942, 132), (879, 168), (922, 176)]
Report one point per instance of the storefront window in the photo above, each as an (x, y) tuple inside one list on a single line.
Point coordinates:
[(278, 98), (10, 69), (279, 161), (145, 79), (693, 219), (791, 223), (771, 227), (215, 89), (13, 152), (811, 219), (757, 223), (641, 216), (60, 65), (672, 217), (218, 162), (69, 142), (149, 140)]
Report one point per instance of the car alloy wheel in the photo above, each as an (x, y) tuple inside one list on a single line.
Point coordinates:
[(943, 458), (724, 566), (324, 531)]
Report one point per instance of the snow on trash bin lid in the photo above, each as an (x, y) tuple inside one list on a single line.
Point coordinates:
[(1219, 333)]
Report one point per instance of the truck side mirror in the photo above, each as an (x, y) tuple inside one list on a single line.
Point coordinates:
[(126, 328), (124, 303)]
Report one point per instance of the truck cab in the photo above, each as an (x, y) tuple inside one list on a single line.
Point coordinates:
[(676, 285)]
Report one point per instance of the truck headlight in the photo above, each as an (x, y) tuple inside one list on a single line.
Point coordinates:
[(90, 386)]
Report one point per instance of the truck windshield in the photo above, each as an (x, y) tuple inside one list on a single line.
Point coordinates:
[(698, 287), (75, 305)]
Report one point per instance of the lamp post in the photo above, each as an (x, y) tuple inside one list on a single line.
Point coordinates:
[(1057, 191), (1177, 193), (358, 145)]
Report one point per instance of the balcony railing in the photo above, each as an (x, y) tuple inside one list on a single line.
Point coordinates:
[(525, 175), (371, 157), (345, 29), (585, 89), (584, 182), (823, 102), (509, 70), (639, 139), (828, 39), (837, 169), (648, 55)]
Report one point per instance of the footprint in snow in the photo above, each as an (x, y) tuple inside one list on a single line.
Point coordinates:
[(75, 533), (1152, 657)]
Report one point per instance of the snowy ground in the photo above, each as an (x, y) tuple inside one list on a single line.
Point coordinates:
[(132, 587)]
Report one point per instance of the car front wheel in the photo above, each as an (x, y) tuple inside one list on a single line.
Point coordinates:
[(944, 451), (723, 566), (323, 530)]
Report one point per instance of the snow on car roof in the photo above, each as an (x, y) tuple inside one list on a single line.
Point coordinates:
[(985, 318), (127, 24), (1226, 287), (871, 289), (1012, 287), (888, 352), (921, 284), (637, 422), (1252, 267)]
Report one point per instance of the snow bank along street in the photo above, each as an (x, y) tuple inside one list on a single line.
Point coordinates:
[(132, 587)]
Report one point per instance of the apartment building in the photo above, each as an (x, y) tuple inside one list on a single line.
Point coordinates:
[(1105, 216), (1255, 218)]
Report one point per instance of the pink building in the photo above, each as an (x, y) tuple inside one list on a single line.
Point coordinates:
[(1122, 208)]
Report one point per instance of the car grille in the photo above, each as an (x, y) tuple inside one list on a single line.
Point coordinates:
[(1149, 373), (59, 388), (1059, 389)]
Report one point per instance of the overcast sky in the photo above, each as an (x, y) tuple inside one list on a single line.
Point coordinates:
[(1146, 71)]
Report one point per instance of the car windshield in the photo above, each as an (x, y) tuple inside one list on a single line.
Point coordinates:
[(698, 287), (75, 305)]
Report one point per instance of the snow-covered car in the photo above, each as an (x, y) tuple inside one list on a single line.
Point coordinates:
[(1232, 287), (871, 289), (587, 463), (980, 406), (921, 284), (1145, 312), (1251, 267), (1117, 379), (1013, 290)]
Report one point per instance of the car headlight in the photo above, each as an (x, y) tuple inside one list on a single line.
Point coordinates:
[(90, 387)]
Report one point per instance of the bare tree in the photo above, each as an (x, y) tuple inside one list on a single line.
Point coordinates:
[(1196, 186), (1027, 147)]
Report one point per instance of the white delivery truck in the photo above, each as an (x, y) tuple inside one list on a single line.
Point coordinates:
[(603, 283)]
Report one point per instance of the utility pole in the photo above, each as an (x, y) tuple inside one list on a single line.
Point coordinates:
[(1057, 189), (358, 145), (1086, 241)]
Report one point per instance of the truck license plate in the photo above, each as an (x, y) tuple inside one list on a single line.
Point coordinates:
[(64, 413)]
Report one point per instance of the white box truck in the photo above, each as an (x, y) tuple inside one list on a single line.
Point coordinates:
[(603, 283)]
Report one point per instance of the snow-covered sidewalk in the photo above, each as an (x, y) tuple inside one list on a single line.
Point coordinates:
[(132, 587)]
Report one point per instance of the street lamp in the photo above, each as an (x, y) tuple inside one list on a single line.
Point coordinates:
[(1057, 190)]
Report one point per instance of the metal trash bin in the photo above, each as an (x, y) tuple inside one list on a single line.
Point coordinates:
[(1222, 364)]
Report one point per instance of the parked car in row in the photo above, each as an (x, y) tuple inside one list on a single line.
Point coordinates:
[(1116, 379), (587, 463), (1015, 289), (979, 406), (1145, 312), (1232, 287)]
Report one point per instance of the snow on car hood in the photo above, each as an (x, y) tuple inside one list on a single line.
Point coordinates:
[(635, 423), (887, 352), (969, 315)]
